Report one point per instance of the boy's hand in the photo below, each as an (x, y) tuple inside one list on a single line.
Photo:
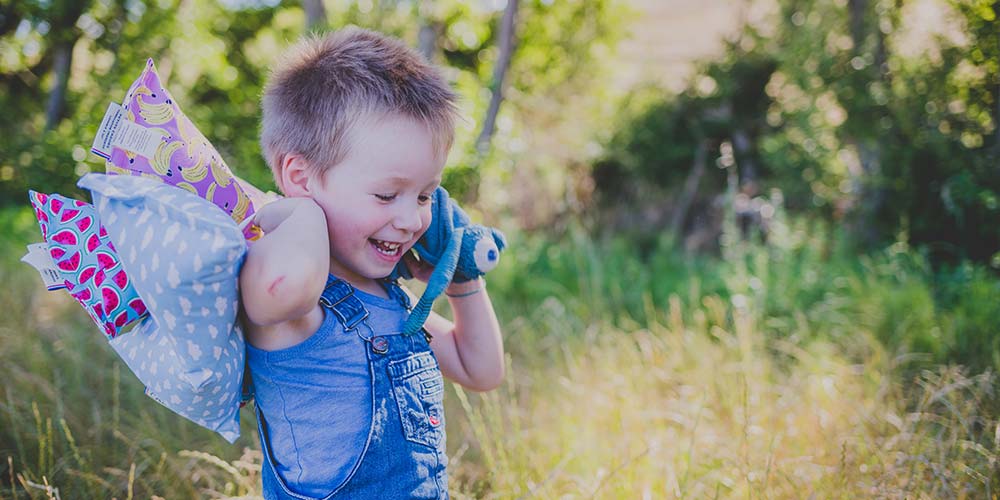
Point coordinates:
[(420, 269), (273, 214)]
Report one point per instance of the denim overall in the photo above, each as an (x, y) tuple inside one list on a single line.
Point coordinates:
[(403, 455)]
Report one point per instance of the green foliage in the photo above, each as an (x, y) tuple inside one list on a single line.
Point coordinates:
[(214, 57), (799, 287), (621, 324), (844, 122)]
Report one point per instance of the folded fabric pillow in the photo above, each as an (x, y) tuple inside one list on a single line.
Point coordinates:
[(184, 258), (87, 261), (184, 157)]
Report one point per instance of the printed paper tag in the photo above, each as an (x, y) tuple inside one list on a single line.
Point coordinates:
[(39, 258), (116, 131)]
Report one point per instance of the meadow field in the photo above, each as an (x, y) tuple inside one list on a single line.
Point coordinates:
[(762, 373), (753, 245)]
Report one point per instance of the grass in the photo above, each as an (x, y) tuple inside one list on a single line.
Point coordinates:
[(779, 371)]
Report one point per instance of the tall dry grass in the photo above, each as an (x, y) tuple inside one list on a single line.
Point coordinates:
[(663, 378), (675, 410)]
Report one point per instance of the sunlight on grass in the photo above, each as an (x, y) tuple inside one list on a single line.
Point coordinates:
[(673, 411), (665, 378)]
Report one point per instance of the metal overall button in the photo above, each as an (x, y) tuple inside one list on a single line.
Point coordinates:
[(380, 345)]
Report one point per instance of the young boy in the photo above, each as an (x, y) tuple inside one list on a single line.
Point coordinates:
[(356, 128)]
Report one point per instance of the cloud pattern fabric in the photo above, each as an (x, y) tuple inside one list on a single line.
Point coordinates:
[(184, 257)]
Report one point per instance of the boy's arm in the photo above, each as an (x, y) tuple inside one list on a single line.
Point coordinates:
[(286, 269), (470, 350)]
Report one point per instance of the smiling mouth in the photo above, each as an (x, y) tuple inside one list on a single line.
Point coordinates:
[(386, 248)]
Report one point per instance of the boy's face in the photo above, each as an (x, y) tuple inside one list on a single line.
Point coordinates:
[(377, 201)]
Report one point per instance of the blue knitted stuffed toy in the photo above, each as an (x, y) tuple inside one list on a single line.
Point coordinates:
[(459, 251)]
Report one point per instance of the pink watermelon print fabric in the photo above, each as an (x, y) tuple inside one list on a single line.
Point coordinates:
[(87, 260), (185, 158)]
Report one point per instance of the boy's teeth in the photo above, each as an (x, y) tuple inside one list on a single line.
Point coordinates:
[(386, 247)]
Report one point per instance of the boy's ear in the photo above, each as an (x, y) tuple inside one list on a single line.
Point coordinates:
[(295, 176)]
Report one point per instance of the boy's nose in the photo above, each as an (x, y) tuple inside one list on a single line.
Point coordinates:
[(408, 220)]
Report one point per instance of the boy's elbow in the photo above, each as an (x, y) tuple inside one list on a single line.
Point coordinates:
[(487, 382), (282, 297)]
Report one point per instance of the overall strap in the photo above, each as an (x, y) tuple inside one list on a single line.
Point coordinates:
[(338, 297), (396, 293)]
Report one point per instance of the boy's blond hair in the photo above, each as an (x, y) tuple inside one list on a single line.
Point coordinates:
[(324, 85)]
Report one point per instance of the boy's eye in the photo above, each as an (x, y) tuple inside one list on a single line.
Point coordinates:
[(385, 197), (424, 199)]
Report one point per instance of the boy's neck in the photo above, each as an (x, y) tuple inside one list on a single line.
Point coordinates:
[(366, 285)]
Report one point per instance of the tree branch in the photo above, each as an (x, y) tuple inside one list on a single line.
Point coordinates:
[(507, 42)]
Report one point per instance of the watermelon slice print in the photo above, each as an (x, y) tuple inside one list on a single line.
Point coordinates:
[(138, 306), (111, 298), (71, 264), (65, 237), (121, 279), (68, 215), (87, 273), (84, 223), (105, 260), (122, 319), (92, 243), (83, 295)]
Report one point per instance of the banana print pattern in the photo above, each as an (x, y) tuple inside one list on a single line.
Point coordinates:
[(155, 114), (196, 172), (221, 172), (185, 158), (161, 159), (242, 206), (187, 187)]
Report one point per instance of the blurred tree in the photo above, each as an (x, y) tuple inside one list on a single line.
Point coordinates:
[(214, 57), (506, 47), (315, 14), (890, 144)]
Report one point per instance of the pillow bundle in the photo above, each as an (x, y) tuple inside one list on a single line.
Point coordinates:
[(155, 260)]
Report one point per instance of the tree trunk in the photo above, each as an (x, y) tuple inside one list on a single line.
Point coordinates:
[(743, 149), (427, 39), (996, 117), (63, 36), (868, 194), (315, 14), (62, 61), (507, 42), (690, 190)]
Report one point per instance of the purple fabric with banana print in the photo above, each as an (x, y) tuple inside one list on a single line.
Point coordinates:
[(184, 158)]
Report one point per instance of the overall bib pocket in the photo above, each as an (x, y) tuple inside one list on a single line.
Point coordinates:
[(418, 388)]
